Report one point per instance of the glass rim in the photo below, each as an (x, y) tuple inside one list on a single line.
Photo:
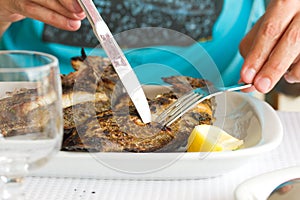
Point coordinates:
[(53, 60)]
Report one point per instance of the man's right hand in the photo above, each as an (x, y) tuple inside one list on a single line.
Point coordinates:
[(63, 14)]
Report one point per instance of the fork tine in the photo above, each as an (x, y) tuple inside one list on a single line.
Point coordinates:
[(182, 109), (185, 104), (190, 100), (178, 103)]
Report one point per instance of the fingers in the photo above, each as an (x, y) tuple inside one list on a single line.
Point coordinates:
[(50, 12), (58, 7), (274, 47), (270, 30), (281, 58), (71, 5)]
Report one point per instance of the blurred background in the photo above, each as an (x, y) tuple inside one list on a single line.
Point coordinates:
[(284, 97)]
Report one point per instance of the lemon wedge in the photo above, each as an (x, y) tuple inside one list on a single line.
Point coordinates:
[(206, 138)]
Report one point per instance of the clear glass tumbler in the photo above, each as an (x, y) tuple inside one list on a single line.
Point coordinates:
[(31, 123)]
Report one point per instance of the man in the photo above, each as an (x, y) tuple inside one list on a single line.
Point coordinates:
[(270, 49)]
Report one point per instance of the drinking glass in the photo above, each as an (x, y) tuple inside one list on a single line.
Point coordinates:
[(30, 116)]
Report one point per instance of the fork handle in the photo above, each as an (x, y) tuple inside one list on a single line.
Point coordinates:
[(213, 90), (238, 86)]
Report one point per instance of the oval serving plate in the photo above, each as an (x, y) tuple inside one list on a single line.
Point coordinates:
[(239, 114)]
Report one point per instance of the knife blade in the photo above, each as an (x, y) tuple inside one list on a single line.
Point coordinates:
[(118, 59)]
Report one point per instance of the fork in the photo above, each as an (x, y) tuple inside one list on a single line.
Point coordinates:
[(191, 99)]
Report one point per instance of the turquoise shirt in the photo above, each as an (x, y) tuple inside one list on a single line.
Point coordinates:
[(217, 60)]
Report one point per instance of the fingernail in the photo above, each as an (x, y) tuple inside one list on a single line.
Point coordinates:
[(263, 84), (80, 15), (250, 74), (290, 79), (74, 24)]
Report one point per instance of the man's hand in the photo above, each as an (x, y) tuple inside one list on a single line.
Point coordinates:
[(272, 48), (63, 14)]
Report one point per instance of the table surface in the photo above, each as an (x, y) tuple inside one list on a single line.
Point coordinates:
[(219, 188)]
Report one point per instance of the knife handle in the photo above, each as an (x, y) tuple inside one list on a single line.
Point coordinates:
[(103, 34)]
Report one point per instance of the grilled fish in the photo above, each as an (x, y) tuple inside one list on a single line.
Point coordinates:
[(100, 117), (107, 121)]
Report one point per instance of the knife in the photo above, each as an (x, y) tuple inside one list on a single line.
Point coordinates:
[(118, 59)]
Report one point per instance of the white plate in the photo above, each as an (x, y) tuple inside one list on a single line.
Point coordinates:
[(238, 113)]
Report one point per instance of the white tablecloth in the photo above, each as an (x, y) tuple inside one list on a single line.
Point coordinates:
[(219, 188)]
